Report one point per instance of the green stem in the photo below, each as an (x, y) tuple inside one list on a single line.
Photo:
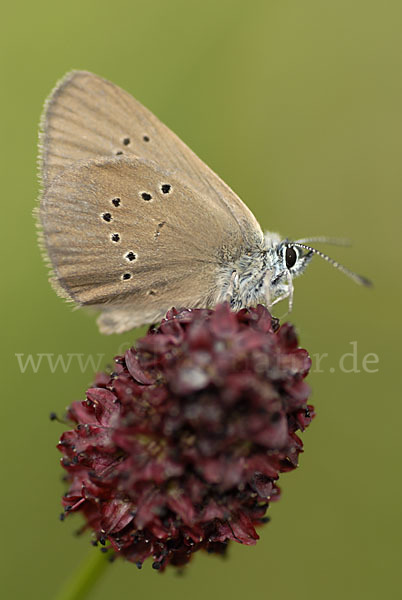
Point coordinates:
[(86, 577)]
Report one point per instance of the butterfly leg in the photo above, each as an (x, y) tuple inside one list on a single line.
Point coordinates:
[(231, 287)]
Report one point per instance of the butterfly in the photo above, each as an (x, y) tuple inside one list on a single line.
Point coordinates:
[(132, 222)]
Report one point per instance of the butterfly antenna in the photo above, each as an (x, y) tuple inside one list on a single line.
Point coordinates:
[(325, 240), (357, 278)]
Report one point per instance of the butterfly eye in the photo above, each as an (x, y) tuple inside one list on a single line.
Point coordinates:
[(290, 257)]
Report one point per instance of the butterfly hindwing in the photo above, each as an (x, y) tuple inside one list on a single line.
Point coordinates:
[(123, 233)]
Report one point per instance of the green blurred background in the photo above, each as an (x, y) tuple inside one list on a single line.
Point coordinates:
[(298, 106)]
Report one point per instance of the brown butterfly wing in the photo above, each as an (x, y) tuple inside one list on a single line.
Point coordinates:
[(86, 117), (124, 236)]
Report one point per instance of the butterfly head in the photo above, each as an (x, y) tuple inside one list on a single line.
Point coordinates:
[(290, 258), (287, 261)]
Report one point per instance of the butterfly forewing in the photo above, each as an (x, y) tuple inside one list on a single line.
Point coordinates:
[(87, 116), (133, 222)]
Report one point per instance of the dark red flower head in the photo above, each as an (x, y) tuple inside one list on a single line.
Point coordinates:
[(180, 448)]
